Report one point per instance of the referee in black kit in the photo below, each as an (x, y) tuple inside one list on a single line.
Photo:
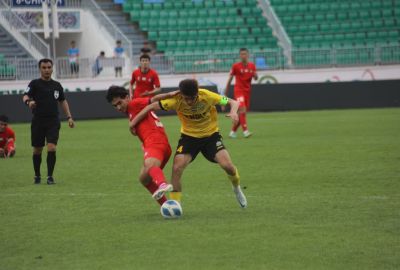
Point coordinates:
[(42, 97)]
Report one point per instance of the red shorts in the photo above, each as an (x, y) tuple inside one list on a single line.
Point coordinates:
[(243, 98), (162, 152)]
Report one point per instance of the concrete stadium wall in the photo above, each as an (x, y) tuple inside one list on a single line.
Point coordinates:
[(267, 97)]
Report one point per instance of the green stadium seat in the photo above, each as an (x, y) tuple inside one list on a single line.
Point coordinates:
[(212, 33)]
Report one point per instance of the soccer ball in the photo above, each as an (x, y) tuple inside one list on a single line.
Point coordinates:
[(171, 209)]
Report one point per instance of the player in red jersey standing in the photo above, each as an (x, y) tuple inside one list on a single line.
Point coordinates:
[(151, 133), (7, 138), (147, 83), (243, 71)]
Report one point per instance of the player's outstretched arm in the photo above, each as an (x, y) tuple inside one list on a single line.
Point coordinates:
[(142, 114), (152, 92), (233, 114), (130, 91), (164, 96)]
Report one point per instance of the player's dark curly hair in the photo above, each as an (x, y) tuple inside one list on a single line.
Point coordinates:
[(116, 91), (189, 87), (4, 118), (145, 56)]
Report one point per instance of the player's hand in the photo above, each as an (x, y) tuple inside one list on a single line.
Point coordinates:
[(133, 131), (234, 116), (32, 104), (11, 152), (71, 123)]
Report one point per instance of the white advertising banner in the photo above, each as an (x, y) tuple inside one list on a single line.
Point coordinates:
[(220, 79)]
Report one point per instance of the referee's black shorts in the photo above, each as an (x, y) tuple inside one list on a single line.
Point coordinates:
[(45, 130), (208, 146)]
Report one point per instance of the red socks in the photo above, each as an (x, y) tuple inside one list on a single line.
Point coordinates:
[(152, 187), (243, 121), (157, 174), (158, 178)]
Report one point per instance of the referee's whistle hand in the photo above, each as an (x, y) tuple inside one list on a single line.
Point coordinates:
[(71, 123), (32, 104)]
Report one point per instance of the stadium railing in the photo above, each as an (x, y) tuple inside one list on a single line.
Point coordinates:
[(18, 69), (22, 32), (88, 67)]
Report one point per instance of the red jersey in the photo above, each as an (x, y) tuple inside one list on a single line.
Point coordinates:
[(150, 130), (5, 136), (243, 76), (144, 81)]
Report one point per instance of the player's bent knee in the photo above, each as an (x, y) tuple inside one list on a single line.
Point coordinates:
[(51, 147), (37, 150)]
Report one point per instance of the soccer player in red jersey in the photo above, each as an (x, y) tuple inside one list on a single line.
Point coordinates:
[(243, 71), (147, 83), (151, 133), (7, 138)]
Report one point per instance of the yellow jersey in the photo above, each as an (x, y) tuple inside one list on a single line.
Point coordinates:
[(199, 120)]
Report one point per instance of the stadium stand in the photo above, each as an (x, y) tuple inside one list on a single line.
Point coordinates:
[(193, 28), (343, 25)]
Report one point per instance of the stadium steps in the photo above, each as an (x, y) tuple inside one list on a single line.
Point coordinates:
[(117, 16), (9, 51)]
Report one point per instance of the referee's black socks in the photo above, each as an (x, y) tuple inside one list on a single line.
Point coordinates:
[(37, 160), (51, 162)]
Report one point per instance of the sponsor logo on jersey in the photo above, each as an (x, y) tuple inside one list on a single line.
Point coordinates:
[(56, 94)]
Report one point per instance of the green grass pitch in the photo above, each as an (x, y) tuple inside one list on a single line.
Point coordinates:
[(323, 190)]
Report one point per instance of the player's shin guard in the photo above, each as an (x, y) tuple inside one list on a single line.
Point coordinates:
[(175, 195), (235, 179), (37, 160), (157, 174), (152, 187), (51, 162), (243, 121)]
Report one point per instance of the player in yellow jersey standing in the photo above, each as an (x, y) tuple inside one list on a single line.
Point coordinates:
[(199, 132)]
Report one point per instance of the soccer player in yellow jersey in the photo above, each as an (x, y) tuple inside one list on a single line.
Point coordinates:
[(199, 132)]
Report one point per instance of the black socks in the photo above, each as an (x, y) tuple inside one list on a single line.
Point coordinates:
[(37, 160), (51, 162)]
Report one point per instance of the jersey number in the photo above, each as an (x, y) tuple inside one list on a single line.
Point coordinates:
[(180, 149)]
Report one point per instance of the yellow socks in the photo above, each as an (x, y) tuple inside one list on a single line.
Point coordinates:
[(175, 195), (235, 179)]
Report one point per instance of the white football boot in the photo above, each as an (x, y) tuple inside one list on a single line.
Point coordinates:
[(232, 134), (162, 189), (247, 134), (240, 196)]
